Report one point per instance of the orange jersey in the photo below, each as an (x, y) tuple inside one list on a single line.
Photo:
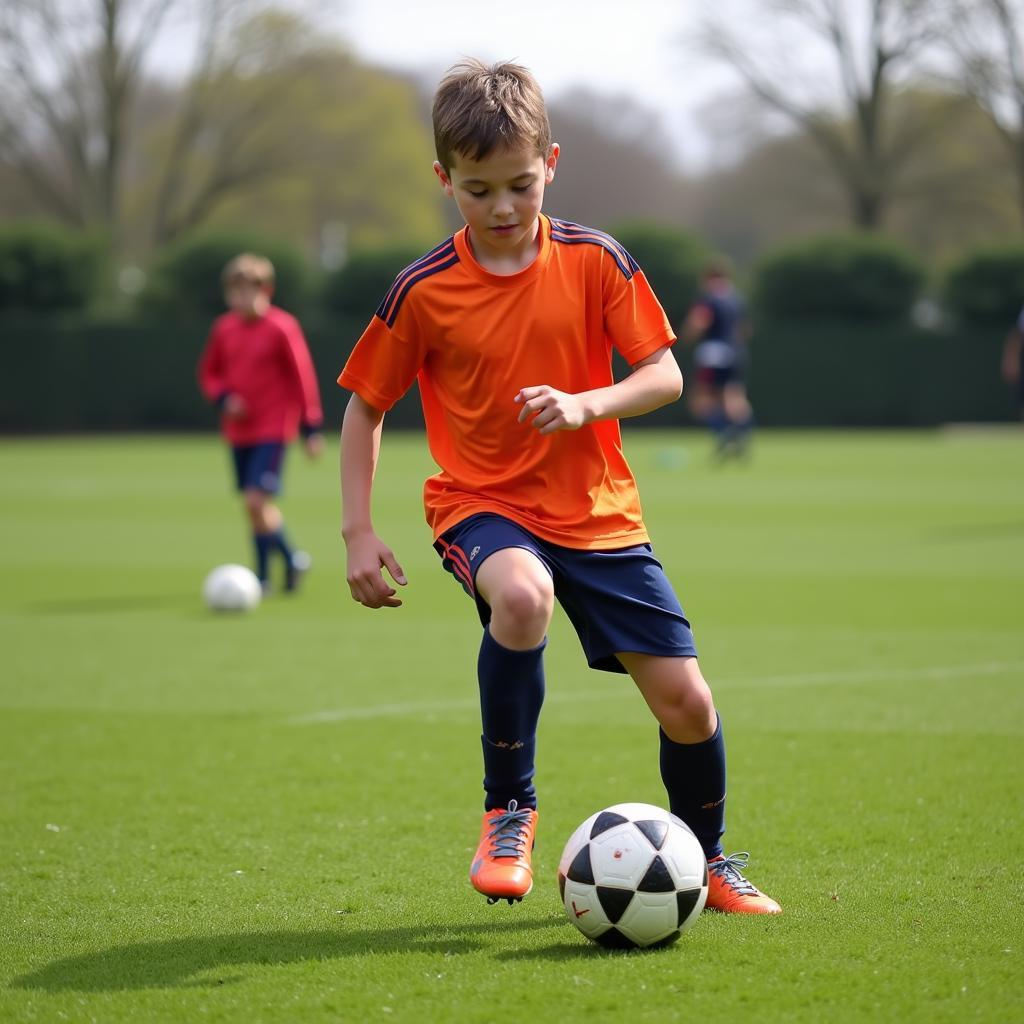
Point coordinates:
[(473, 339)]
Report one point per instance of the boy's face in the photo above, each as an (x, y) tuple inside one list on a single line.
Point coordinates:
[(247, 297), (500, 197)]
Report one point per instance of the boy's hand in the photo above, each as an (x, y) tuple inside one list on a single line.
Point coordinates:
[(367, 556), (550, 410), (234, 407), (314, 445)]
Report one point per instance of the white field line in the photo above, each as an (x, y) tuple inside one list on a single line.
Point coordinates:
[(938, 672)]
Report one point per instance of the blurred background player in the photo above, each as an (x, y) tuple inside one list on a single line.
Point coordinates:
[(1013, 361), (257, 369), (717, 323)]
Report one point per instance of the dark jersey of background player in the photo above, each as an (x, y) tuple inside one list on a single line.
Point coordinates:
[(720, 352), (717, 324)]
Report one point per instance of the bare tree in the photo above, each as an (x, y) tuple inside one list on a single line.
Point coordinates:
[(868, 46), (71, 70), (74, 72), (987, 38), (239, 85)]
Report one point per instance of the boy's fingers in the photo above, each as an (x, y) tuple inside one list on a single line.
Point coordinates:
[(532, 406), (383, 595), (395, 569), (525, 394)]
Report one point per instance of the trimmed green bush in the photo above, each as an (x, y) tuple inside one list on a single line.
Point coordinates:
[(671, 261), (987, 286), (185, 278), (46, 267), (855, 275), (356, 289)]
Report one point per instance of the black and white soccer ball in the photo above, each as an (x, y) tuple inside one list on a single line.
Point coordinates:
[(633, 875)]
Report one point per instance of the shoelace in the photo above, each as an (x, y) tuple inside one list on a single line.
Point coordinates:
[(507, 831), (728, 869)]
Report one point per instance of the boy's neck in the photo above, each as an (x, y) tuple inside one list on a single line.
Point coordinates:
[(505, 263)]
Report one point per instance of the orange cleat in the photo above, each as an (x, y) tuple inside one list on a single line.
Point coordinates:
[(731, 893), (502, 867)]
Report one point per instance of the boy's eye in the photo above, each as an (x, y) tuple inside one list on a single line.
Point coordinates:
[(521, 188), (477, 195)]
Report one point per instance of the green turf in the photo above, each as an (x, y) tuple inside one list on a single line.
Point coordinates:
[(269, 818)]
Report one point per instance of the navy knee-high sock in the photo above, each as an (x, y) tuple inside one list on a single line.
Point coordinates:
[(718, 422), (264, 544), (279, 541), (694, 777), (511, 695), (739, 430)]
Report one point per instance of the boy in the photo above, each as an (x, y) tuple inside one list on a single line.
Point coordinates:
[(719, 326), (509, 326), (257, 369)]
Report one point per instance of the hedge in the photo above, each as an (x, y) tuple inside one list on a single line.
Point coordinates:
[(185, 280), (844, 276), (987, 286), (49, 268)]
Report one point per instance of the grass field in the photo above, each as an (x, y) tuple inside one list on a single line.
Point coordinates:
[(270, 817)]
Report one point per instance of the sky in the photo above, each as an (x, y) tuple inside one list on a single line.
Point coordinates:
[(632, 47)]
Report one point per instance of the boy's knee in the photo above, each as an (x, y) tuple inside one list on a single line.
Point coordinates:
[(687, 714), (525, 602), (255, 501)]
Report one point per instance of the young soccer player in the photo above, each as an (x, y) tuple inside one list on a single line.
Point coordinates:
[(718, 324), (509, 326), (256, 367)]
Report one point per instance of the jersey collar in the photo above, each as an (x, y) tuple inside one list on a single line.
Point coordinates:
[(524, 276)]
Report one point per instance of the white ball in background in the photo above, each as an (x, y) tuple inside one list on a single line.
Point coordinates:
[(232, 588)]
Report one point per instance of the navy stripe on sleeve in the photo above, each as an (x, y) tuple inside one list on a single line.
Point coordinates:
[(439, 258), (575, 234)]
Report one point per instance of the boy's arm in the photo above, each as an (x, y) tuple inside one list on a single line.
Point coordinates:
[(654, 381), (697, 321), (211, 370), (305, 374), (367, 554)]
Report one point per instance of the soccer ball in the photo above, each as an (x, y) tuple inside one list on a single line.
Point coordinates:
[(232, 588), (633, 875)]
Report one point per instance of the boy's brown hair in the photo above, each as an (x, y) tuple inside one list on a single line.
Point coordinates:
[(480, 107), (248, 266)]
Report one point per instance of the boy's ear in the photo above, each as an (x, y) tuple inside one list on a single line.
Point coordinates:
[(446, 182), (550, 162)]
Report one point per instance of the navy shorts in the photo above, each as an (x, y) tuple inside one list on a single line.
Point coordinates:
[(617, 600), (718, 377), (259, 466)]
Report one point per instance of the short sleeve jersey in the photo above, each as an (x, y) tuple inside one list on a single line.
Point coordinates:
[(473, 339)]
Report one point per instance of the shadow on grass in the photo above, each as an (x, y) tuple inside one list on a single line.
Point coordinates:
[(109, 604), (210, 961)]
